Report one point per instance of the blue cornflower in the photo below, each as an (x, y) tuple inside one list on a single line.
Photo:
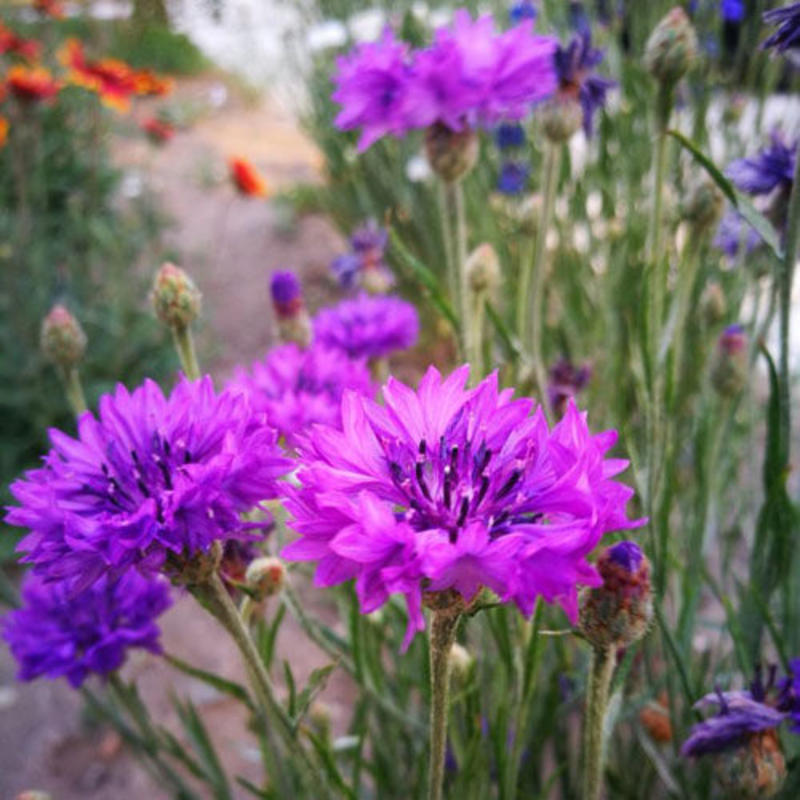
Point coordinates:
[(578, 18), (732, 10), (733, 233), (574, 64), (787, 36), (513, 178), (769, 169), (509, 135), (525, 9)]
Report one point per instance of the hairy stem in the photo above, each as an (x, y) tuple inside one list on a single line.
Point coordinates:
[(463, 283), (601, 672), (530, 322), (184, 344), (442, 636), (73, 390)]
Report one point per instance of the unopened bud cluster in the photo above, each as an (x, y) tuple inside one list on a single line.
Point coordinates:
[(265, 576), (176, 300), (729, 367), (63, 340), (483, 269), (619, 612)]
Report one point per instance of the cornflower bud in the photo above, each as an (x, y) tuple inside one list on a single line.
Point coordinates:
[(712, 303), (294, 324), (461, 663), (703, 207), (451, 154), (176, 300), (265, 576), (63, 340), (483, 269), (671, 48), (618, 613), (562, 116), (754, 770), (729, 368)]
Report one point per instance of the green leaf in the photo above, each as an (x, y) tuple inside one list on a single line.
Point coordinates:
[(510, 343), (425, 277), (231, 688), (291, 685), (740, 201), (316, 683)]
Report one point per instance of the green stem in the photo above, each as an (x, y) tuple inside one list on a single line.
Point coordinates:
[(784, 310), (226, 612), (601, 672), (442, 636), (73, 390), (530, 322), (445, 210), (184, 344), (473, 333), (461, 260)]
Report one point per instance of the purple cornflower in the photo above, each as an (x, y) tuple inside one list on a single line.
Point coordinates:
[(732, 10), (574, 64), (733, 233), (364, 263), (371, 85), (509, 136), (449, 488), (738, 716), (59, 633), (150, 479), (787, 37), (287, 295), (513, 178), (566, 380), (368, 326), (525, 9), (769, 169), (298, 387), (578, 18), (789, 697), (470, 75)]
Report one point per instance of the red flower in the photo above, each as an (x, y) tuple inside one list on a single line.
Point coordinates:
[(3, 131), (246, 179), (30, 84), (157, 131), (16, 45), (49, 8), (113, 81), (146, 82)]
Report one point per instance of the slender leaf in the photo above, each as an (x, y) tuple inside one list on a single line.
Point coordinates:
[(231, 688)]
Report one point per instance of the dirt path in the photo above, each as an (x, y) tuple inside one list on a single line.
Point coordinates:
[(230, 245)]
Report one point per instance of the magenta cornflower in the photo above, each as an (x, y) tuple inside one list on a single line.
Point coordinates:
[(470, 75), (286, 293), (449, 488), (368, 326), (58, 633), (298, 387), (151, 477)]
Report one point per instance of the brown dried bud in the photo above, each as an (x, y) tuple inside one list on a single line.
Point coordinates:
[(451, 154)]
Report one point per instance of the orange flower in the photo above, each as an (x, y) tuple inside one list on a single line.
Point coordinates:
[(49, 8), (655, 719), (112, 80), (16, 45), (157, 131), (246, 179), (29, 84), (3, 131), (146, 82)]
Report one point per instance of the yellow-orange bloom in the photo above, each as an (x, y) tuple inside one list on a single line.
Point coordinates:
[(3, 131), (16, 45), (113, 81), (30, 84), (246, 179), (146, 82)]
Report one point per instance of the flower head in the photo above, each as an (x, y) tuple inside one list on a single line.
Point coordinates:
[(158, 131), (732, 10), (509, 136), (368, 326), (364, 265), (32, 84), (371, 83), (175, 297), (60, 633), (522, 10), (449, 489), (787, 37), (513, 177), (789, 699), (574, 67), (246, 179), (286, 292), (112, 80), (4, 126), (10, 42), (733, 234), (62, 338), (296, 388), (566, 380), (151, 478), (770, 168)]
